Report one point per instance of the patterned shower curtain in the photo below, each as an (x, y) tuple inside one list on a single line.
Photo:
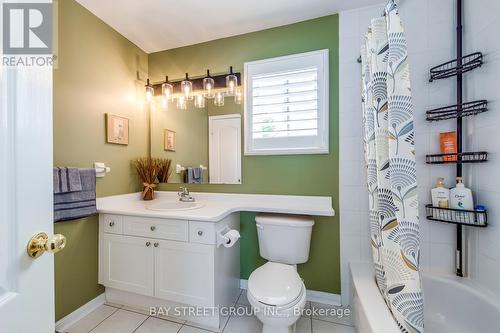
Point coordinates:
[(391, 170)]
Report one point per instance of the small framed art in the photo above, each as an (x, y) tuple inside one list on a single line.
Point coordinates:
[(169, 140), (117, 129)]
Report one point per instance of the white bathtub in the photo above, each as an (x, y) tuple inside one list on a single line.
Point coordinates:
[(451, 304)]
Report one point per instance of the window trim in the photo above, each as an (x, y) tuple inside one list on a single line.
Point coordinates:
[(323, 107)]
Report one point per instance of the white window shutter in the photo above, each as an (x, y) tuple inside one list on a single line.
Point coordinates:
[(286, 105)]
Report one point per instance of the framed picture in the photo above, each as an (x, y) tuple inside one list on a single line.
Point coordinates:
[(117, 129), (169, 140)]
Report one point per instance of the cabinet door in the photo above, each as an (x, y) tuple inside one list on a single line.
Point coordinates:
[(127, 263), (184, 272)]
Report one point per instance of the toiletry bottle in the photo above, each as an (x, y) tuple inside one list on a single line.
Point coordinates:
[(461, 198), (440, 198), (448, 142), (440, 195), (480, 216)]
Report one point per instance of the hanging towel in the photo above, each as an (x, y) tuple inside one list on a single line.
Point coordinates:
[(198, 175), (67, 180), (194, 175), (79, 204)]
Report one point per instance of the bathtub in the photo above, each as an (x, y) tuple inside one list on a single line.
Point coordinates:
[(451, 304)]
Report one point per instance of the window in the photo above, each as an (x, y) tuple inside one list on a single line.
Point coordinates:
[(286, 105)]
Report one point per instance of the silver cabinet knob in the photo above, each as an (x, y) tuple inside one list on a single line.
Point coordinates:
[(112, 223), (148, 244), (153, 228), (200, 233), (157, 244)]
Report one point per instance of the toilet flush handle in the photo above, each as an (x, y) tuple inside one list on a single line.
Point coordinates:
[(259, 226)]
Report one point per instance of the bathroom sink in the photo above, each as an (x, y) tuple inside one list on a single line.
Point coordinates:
[(174, 205)]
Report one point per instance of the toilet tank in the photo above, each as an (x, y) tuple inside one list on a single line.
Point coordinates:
[(284, 238)]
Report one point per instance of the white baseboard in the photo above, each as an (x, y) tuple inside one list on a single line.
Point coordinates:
[(64, 323), (311, 295)]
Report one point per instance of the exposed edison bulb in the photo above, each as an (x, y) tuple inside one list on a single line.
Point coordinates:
[(181, 102), (231, 82), (167, 91), (219, 99), (149, 91), (199, 101), (187, 88), (238, 96), (208, 85)]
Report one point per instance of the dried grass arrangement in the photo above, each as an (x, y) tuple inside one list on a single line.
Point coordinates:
[(165, 170), (152, 170)]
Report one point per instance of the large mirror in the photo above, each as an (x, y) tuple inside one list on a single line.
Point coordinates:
[(204, 144)]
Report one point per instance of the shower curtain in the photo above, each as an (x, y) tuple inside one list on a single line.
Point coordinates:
[(391, 170)]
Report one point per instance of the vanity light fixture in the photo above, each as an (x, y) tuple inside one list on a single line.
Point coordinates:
[(219, 99), (181, 102), (149, 91), (208, 85), (187, 88), (231, 82), (198, 90), (167, 90), (199, 101), (238, 96)]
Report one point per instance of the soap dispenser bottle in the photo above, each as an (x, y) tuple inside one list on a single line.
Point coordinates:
[(440, 195), (461, 196), (440, 198)]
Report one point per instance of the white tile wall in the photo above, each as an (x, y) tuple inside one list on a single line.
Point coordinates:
[(482, 28), (354, 239), (430, 32)]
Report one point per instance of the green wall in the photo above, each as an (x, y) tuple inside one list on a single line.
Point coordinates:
[(96, 74), (300, 174)]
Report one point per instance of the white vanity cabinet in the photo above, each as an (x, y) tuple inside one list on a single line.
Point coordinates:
[(145, 262)]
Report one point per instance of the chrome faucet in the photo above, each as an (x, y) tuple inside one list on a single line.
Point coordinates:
[(184, 195)]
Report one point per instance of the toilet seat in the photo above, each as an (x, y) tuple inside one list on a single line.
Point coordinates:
[(275, 284)]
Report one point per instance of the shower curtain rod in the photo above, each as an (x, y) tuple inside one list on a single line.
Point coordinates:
[(383, 14)]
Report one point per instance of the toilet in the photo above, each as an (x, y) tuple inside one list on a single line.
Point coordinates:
[(275, 290)]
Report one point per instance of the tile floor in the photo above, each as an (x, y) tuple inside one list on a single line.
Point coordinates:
[(113, 318)]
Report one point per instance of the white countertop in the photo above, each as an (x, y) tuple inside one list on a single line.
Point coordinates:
[(218, 205)]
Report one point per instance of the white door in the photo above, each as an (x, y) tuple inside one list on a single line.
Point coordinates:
[(184, 272), (26, 284), (127, 263), (224, 146)]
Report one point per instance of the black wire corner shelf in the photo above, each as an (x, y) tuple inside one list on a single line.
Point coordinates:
[(455, 111), (469, 157), (457, 66), (473, 218)]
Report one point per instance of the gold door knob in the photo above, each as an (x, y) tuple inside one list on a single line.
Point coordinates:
[(41, 243)]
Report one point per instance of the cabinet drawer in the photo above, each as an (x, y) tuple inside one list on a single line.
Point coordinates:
[(112, 224), (202, 232), (156, 228)]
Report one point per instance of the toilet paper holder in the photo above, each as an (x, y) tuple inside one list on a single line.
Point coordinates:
[(223, 239)]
